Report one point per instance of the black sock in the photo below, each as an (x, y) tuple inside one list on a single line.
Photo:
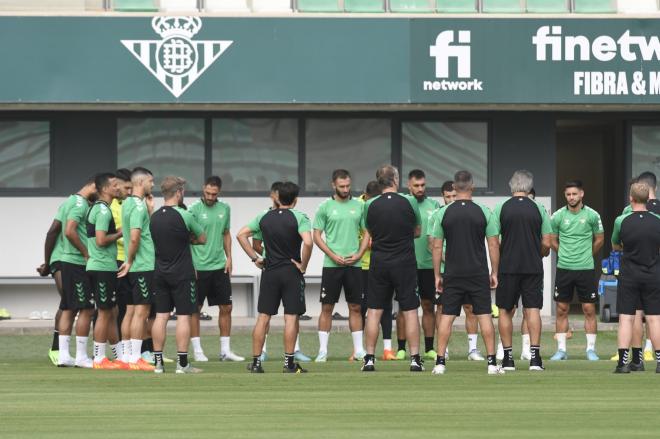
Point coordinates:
[(370, 357), (657, 355), (508, 353), (288, 361), (182, 358), (623, 357), (637, 357), (158, 357), (416, 359), (56, 341), (440, 360), (402, 344), (147, 345), (428, 344), (492, 360), (536, 354), (256, 360)]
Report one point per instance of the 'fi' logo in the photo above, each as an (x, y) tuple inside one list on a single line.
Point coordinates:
[(176, 60), (445, 48)]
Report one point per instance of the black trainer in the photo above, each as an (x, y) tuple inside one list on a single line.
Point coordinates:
[(508, 364), (536, 365), (657, 368), (368, 366), (622, 369), (255, 368), (637, 367), (416, 367), (295, 369)]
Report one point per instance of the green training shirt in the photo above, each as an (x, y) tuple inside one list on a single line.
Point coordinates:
[(215, 221), (429, 234), (134, 215), (75, 209), (56, 255), (341, 222), (422, 252), (101, 258), (575, 232)]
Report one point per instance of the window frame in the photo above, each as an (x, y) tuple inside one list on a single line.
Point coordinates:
[(436, 190), (32, 191)]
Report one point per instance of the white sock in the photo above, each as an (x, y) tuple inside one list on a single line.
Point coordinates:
[(99, 352), (472, 342), (387, 344), (561, 341), (297, 347), (323, 341), (649, 345), (136, 350), (265, 340), (81, 348), (225, 346), (64, 341), (357, 341), (197, 345), (525, 343), (126, 351), (117, 350), (591, 342)]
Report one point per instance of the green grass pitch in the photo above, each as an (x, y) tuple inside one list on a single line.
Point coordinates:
[(334, 400)]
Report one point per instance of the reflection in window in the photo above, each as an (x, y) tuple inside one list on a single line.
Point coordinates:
[(165, 146), (646, 149), (250, 154), (24, 154), (357, 145), (442, 148)]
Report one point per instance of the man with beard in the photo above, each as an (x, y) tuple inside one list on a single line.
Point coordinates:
[(339, 218), (213, 265), (425, 276), (577, 235), (140, 262)]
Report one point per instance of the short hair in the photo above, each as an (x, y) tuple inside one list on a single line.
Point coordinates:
[(639, 192), (123, 174), (90, 180), (213, 180), (140, 172), (521, 181), (573, 183), (170, 185), (288, 192), (372, 189), (340, 173), (648, 178), (102, 180), (275, 186), (417, 174), (447, 186), (463, 180), (387, 176)]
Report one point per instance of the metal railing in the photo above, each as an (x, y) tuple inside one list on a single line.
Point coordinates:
[(293, 6)]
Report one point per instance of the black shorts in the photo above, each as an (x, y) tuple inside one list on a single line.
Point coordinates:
[(638, 293), (426, 284), (333, 279), (400, 282), (104, 288), (77, 288), (124, 291), (170, 294), (458, 290), (141, 286), (284, 285), (582, 281), (215, 286), (512, 287), (55, 266)]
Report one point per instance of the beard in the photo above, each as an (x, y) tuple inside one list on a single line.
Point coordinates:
[(342, 195), (421, 197)]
